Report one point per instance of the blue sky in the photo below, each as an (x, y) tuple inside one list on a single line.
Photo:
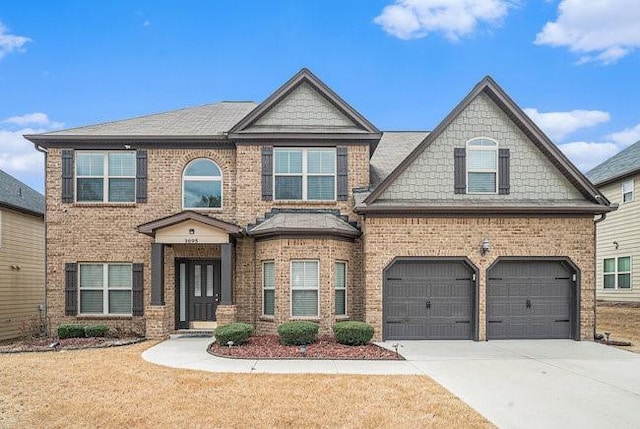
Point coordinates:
[(572, 64)]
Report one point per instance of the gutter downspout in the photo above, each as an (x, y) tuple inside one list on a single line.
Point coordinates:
[(603, 216), (45, 312)]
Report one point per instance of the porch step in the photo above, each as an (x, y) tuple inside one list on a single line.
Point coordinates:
[(192, 333)]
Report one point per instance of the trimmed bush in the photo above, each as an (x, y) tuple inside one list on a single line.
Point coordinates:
[(70, 330), (96, 330), (353, 333), (297, 333), (236, 332)]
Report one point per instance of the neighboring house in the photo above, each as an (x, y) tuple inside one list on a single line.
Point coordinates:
[(618, 235), (22, 259), (298, 208)]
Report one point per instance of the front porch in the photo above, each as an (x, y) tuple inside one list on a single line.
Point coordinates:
[(192, 273)]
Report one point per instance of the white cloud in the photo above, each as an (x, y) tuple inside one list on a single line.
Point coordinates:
[(602, 31), (626, 137), (413, 19), (586, 155), (37, 118), (18, 156), (10, 42), (557, 125)]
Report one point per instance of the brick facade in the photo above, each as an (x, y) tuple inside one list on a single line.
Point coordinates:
[(386, 238)]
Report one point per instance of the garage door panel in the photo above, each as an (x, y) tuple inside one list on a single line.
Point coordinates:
[(428, 300), (530, 299)]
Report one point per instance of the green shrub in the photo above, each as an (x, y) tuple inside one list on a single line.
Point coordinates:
[(297, 333), (236, 332), (96, 330), (353, 333), (70, 330)]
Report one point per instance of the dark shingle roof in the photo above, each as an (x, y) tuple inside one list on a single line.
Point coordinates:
[(15, 194), (302, 222), (208, 120), (619, 165), (394, 146)]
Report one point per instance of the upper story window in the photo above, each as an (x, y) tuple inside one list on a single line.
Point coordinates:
[(627, 191), (106, 176), (305, 174), (482, 166), (202, 185)]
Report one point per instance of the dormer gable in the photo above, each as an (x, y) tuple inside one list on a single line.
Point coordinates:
[(304, 108)]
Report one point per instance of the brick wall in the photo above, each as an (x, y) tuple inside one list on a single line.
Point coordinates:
[(386, 238)]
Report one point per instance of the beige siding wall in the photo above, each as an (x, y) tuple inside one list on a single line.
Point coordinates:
[(623, 228), (387, 238), (431, 175), (21, 290)]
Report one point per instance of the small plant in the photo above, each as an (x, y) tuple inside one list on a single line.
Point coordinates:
[(70, 330), (234, 333), (297, 333), (96, 330), (353, 333)]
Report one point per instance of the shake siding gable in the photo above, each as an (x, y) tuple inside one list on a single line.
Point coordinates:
[(431, 176)]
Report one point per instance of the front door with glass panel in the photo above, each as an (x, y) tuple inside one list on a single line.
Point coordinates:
[(198, 291)]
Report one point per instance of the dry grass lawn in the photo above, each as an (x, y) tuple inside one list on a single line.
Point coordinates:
[(622, 321), (117, 388)]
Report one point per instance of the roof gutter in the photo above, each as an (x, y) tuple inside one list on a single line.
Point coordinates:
[(460, 210)]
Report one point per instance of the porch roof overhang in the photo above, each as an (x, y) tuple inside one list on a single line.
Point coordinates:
[(191, 228)]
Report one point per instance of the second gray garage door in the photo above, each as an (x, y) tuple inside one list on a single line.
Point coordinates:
[(429, 300), (530, 299)]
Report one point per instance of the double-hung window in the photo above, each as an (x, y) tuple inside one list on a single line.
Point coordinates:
[(617, 273), (340, 283), (105, 289), (106, 176), (627, 191), (305, 174), (482, 166), (304, 288), (268, 288)]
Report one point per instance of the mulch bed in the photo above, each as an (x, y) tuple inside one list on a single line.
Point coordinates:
[(269, 347), (47, 344)]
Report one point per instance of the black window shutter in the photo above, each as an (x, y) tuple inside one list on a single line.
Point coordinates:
[(503, 172), (460, 170), (67, 175), (138, 297), (70, 289), (267, 173), (343, 173), (141, 176)]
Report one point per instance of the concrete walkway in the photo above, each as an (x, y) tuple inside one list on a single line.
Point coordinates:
[(514, 384)]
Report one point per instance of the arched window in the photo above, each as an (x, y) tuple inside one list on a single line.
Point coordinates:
[(482, 166), (202, 185)]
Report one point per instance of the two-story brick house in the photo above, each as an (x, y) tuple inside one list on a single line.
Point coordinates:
[(300, 208)]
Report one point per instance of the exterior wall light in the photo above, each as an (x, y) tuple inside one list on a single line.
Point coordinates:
[(192, 231), (484, 246)]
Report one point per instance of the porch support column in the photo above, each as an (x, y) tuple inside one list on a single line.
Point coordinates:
[(157, 274), (226, 273)]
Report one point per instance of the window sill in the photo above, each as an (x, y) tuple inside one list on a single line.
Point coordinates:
[(267, 318), (204, 209), (304, 319), (305, 202), (103, 204), (102, 317), (342, 317)]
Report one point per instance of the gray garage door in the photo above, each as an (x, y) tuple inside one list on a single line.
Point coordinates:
[(529, 299), (428, 300)]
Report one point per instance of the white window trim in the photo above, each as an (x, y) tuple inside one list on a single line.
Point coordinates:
[(482, 170), (105, 289), (291, 289), (105, 176), (305, 173), (204, 179), (344, 288), (616, 273), (268, 288), (632, 191)]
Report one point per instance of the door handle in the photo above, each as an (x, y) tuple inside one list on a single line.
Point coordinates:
[(428, 305), (528, 304)]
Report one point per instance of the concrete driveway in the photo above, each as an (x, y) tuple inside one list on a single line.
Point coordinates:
[(536, 383)]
